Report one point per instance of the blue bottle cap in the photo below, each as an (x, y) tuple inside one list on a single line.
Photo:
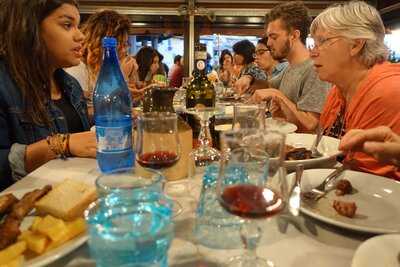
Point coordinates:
[(109, 42)]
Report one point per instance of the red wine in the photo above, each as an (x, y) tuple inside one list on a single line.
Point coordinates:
[(158, 159), (251, 201)]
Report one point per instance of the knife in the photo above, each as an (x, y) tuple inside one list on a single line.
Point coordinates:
[(294, 196)]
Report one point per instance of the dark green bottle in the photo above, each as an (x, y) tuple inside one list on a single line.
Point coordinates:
[(200, 91)]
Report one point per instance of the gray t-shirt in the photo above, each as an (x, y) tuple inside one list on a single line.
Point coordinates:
[(300, 83)]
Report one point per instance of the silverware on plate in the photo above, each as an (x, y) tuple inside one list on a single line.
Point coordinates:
[(314, 148), (295, 193), (321, 190)]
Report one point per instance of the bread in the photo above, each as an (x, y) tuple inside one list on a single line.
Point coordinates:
[(67, 200)]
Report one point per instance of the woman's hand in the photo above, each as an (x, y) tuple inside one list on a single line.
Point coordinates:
[(224, 76), (83, 144), (381, 142), (242, 85)]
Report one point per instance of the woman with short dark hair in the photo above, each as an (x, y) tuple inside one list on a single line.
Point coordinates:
[(243, 55)]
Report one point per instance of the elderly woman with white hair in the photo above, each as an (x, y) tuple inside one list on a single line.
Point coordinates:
[(349, 53)]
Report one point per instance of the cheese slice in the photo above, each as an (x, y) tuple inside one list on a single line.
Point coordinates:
[(67, 200)]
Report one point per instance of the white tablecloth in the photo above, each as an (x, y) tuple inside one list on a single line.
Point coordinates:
[(301, 242)]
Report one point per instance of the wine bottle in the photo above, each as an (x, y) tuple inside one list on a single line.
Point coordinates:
[(200, 91)]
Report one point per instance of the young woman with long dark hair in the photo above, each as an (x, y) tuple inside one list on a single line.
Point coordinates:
[(43, 114)]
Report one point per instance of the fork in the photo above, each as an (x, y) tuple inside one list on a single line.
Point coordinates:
[(320, 190), (314, 148)]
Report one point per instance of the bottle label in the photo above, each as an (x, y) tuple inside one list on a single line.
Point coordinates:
[(114, 139), (200, 65)]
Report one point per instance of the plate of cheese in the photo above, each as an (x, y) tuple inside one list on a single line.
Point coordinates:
[(43, 224)]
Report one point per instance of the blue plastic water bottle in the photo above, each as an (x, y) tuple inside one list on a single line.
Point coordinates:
[(112, 113)]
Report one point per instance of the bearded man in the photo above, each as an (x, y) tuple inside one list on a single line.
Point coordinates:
[(297, 94)]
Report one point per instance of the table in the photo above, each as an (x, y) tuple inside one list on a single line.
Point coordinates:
[(288, 241)]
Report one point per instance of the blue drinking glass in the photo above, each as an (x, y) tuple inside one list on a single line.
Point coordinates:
[(131, 223)]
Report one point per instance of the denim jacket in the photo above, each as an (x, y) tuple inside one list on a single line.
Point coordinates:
[(16, 131)]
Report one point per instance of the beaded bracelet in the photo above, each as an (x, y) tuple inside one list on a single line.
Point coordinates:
[(59, 144)]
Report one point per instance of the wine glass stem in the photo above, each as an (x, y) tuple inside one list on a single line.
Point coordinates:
[(204, 135), (250, 233)]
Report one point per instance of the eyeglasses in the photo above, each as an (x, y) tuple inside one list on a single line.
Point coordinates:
[(259, 52), (320, 42)]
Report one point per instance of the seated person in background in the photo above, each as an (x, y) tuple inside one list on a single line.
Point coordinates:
[(350, 53), (266, 62), (380, 142), (98, 25), (236, 69), (43, 113), (243, 55), (297, 94), (225, 68), (148, 60), (175, 75), (162, 71)]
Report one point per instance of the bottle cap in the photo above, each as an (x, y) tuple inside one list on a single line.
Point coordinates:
[(109, 42)]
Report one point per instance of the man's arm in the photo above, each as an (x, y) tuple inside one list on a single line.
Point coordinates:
[(247, 78), (283, 107), (259, 84), (306, 121)]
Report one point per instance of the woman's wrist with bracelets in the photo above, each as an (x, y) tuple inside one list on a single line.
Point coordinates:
[(59, 144)]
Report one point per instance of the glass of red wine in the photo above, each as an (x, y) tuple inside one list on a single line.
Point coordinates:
[(251, 184), (157, 142)]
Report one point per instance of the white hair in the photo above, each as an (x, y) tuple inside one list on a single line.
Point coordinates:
[(356, 20)]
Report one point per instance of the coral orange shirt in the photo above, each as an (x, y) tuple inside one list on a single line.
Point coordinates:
[(375, 103)]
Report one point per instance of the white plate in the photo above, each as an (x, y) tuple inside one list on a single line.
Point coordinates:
[(382, 251), (223, 127), (377, 199), (328, 146), (279, 125), (51, 255), (276, 125)]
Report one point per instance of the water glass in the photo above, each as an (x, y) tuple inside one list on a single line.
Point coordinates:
[(219, 88), (247, 116), (130, 184), (215, 227), (131, 223)]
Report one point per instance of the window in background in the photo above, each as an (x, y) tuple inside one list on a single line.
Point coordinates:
[(393, 43)]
